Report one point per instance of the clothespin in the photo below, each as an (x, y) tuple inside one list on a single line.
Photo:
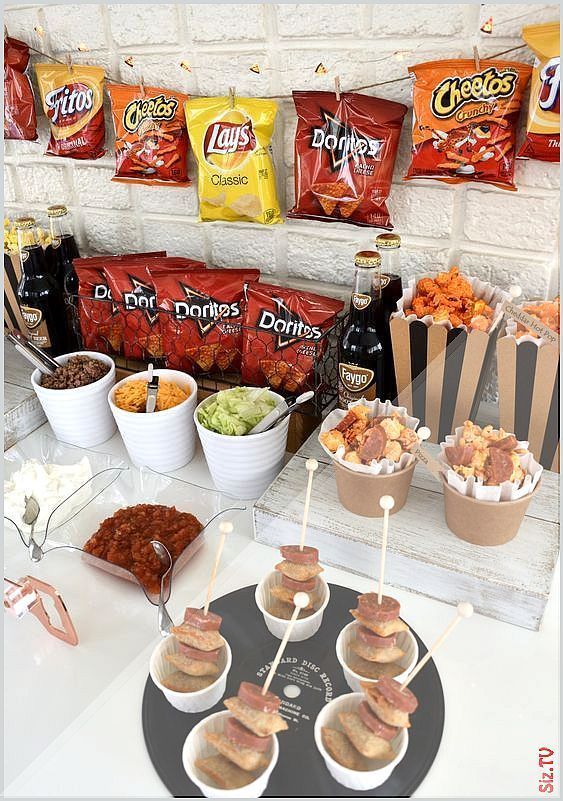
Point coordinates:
[(337, 87), (477, 59), (232, 96), (68, 61), (142, 87)]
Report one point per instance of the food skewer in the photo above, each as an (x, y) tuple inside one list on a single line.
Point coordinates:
[(225, 528), (301, 601), (311, 465), (464, 610), (387, 502)]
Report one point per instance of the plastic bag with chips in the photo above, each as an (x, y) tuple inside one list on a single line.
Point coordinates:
[(542, 130), (20, 121), (231, 142)]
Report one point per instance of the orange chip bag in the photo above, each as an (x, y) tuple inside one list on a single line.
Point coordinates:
[(464, 122), (151, 138), (542, 130)]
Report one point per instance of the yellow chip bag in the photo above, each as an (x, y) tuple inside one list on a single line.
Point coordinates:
[(231, 141)]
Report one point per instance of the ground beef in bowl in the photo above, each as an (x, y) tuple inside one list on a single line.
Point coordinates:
[(77, 372)]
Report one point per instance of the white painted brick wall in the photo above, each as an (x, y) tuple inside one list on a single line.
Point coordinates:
[(498, 235)]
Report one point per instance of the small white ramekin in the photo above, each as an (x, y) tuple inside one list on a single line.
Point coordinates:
[(197, 701), (405, 640), (80, 416), (196, 747), (165, 440), (379, 771), (303, 628)]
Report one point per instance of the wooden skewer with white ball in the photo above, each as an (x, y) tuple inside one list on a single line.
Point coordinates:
[(420, 453), (311, 465), (225, 528), (464, 610), (301, 601), (387, 502)]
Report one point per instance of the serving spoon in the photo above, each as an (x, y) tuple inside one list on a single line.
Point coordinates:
[(165, 622), (29, 517)]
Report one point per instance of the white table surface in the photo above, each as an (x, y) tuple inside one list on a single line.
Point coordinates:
[(73, 715)]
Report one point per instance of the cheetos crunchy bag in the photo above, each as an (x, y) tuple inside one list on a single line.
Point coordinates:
[(464, 120), (542, 130), (231, 138)]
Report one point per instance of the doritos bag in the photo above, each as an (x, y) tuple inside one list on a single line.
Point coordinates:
[(72, 101), (464, 120), (232, 146), (100, 323), (542, 134), (202, 319), (151, 138), (344, 157), (133, 290), (283, 336), (20, 121)]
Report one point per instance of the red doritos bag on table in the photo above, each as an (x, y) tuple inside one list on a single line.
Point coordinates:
[(133, 290), (344, 157), (283, 336), (202, 316), (20, 121)]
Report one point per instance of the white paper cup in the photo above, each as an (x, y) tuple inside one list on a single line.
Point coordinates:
[(165, 440), (244, 467), (379, 771), (405, 640), (302, 628), (196, 747), (79, 416), (197, 701)]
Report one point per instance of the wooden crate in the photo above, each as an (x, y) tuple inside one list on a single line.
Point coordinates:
[(509, 582)]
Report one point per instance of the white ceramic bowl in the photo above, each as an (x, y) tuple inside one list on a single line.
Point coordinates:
[(405, 640), (244, 467), (302, 629), (197, 701), (79, 416), (379, 771), (165, 440), (196, 747)]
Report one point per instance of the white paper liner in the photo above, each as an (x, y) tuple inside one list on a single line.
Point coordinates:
[(196, 747), (197, 701), (512, 327), (302, 628), (344, 653), (493, 296), (377, 409), (379, 771), (475, 488)]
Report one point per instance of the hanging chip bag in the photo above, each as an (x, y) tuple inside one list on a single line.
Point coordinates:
[(542, 130), (20, 121), (231, 141), (72, 99), (151, 138), (465, 119)]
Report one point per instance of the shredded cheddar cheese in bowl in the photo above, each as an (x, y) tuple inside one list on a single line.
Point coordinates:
[(132, 396)]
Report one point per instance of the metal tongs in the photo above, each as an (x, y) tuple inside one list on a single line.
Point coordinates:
[(152, 391), (32, 353)]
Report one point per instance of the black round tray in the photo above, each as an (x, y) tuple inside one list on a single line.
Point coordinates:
[(312, 667)]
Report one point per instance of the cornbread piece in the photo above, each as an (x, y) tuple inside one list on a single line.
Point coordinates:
[(363, 739), (373, 654), (341, 749), (260, 723), (284, 611), (299, 572), (193, 667), (203, 640), (373, 670), (388, 702), (223, 774), (284, 594), (182, 683), (245, 758), (383, 629)]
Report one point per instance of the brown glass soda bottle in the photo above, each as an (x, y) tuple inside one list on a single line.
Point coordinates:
[(388, 246), (39, 297), (60, 254), (361, 353)]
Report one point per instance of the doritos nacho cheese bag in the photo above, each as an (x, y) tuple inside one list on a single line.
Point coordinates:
[(464, 120), (542, 135), (151, 138), (344, 157), (20, 121), (72, 100), (231, 142)]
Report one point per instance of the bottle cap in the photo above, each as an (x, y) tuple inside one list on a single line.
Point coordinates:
[(367, 258), (57, 211), (24, 222), (384, 241)]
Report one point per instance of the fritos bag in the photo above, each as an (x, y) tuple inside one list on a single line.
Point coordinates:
[(344, 157), (20, 121), (202, 316), (464, 120), (151, 138), (72, 100), (282, 335), (133, 290), (232, 146), (100, 325), (542, 130)]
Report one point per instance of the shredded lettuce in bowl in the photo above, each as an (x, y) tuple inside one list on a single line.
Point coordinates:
[(235, 411)]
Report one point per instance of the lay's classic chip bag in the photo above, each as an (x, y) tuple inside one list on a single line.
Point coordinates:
[(542, 130), (231, 141)]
